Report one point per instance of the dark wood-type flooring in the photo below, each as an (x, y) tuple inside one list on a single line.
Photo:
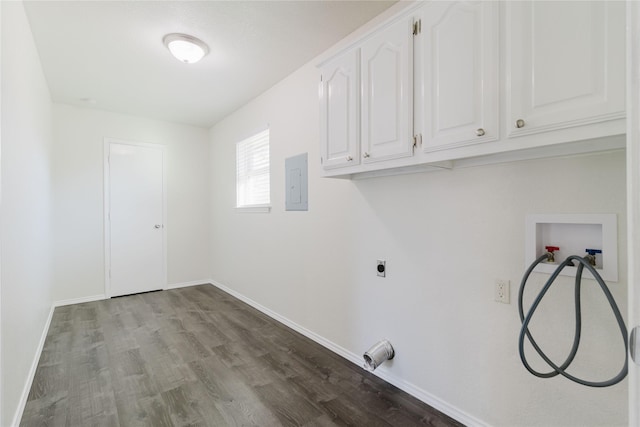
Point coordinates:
[(198, 356)]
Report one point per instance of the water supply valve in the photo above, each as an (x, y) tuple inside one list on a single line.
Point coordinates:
[(550, 253), (591, 255)]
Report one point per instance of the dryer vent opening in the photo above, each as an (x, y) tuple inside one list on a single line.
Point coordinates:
[(378, 354)]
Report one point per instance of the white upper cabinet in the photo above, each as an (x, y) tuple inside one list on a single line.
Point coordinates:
[(459, 79), (475, 82), (387, 93), (339, 111), (565, 64)]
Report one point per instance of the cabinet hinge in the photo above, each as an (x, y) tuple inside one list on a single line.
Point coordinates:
[(417, 139), (417, 27), (321, 160)]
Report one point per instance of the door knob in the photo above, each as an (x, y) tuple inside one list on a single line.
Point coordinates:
[(519, 123), (480, 132), (157, 226)]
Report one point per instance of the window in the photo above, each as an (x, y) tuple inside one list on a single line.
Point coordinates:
[(252, 173)]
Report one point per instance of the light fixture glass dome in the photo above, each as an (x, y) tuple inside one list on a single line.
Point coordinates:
[(185, 48)]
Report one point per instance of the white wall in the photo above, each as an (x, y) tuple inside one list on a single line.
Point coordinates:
[(446, 237), (78, 187), (26, 205)]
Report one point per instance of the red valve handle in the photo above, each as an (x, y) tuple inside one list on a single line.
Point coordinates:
[(552, 248)]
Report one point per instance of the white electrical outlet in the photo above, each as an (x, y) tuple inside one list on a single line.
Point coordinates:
[(501, 291)]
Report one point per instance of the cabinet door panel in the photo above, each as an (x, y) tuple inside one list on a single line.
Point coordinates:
[(339, 112), (460, 63), (387, 98), (566, 64)]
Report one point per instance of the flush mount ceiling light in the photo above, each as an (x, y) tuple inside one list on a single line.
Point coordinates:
[(185, 48)]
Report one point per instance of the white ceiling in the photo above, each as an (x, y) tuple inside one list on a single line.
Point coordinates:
[(109, 54)]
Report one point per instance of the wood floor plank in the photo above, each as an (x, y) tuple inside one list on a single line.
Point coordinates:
[(314, 391), (142, 412), (163, 361), (90, 387), (189, 346), (290, 409), (253, 374), (322, 421), (197, 356), (348, 412), (117, 337), (236, 401), (238, 353), (201, 403), (217, 380), (45, 412), (52, 383), (210, 334), (179, 405)]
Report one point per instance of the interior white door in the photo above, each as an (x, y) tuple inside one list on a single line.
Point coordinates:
[(135, 218)]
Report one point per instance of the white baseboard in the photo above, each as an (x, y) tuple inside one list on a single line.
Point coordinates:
[(412, 389), (186, 284), (71, 301), (32, 372)]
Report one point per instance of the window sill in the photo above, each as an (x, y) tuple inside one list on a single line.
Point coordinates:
[(253, 209)]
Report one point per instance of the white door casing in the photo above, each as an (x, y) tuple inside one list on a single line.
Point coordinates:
[(633, 197), (135, 212), (1, 375)]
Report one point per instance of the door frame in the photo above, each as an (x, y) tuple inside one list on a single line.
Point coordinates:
[(633, 196), (1, 360), (107, 208)]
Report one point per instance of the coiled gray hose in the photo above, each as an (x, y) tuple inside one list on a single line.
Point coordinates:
[(524, 331)]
